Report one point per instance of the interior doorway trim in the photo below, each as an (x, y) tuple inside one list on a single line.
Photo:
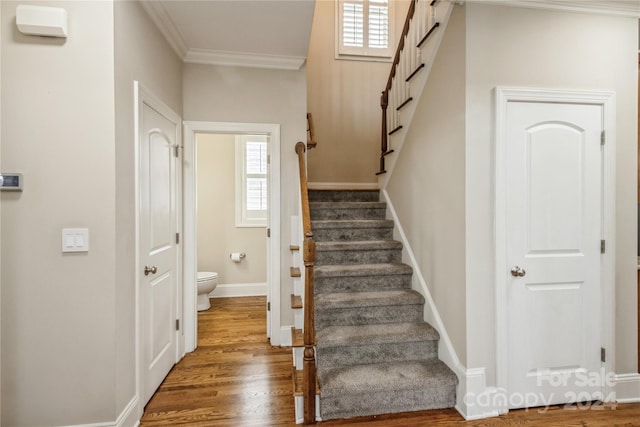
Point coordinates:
[(191, 128), (606, 99)]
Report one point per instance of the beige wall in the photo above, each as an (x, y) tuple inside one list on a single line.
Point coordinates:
[(535, 48), (59, 334), (250, 95), (344, 98), (486, 46), (68, 357), (141, 53), (217, 233), (433, 214)]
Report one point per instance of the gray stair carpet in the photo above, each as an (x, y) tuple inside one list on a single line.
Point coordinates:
[(375, 353)]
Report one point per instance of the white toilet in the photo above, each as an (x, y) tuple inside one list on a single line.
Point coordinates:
[(207, 282)]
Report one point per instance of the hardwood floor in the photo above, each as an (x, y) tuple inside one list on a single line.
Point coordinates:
[(235, 378)]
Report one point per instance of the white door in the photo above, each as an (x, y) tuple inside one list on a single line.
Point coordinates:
[(553, 231), (159, 133)]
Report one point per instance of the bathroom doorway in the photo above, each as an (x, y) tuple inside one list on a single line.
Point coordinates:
[(231, 215)]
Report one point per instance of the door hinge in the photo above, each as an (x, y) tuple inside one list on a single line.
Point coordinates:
[(603, 355), (268, 159), (268, 232), (603, 246), (602, 138), (176, 150), (177, 238), (269, 306), (177, 324)]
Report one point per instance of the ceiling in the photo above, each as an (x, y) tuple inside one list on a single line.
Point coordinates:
[(256, 33), (275, 33)]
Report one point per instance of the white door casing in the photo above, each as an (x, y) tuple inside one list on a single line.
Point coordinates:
[(191, 128), (553, 207), (158, 252)]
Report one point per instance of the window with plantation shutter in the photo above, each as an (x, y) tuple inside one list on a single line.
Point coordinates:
[(251, 183), (364, 29)]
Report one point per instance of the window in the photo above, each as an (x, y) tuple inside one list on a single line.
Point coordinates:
[(364, 29), (251, 181)]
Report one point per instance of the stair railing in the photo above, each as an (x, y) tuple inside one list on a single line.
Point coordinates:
[(311, 133), (309, 259), (418, 26)]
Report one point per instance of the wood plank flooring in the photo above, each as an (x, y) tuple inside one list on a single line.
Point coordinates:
[(235, 378)]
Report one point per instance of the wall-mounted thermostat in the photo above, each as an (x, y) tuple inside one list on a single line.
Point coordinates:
[(11, 181)]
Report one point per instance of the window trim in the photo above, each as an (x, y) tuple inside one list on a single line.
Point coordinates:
[(364, 53), (242, 220)]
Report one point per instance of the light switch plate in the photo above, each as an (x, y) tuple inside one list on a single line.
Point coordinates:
[(75, 240)]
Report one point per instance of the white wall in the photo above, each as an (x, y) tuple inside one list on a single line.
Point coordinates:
[(58, 337), (218, 235), (251, 95), (427, 188), (536, 48), (141, 53)]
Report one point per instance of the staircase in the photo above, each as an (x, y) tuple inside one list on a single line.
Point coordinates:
[(375, 354)]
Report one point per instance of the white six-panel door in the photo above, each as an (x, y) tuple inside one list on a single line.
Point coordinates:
[(553, 203)]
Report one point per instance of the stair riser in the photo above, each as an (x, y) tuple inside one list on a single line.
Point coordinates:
[(376, 353), (325, 285), (352, 234), (373, 256), (375, 403), (343, 196), (366, 315), (323, 214)]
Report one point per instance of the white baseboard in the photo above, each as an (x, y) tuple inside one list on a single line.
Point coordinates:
[(474, 399), (343, 186), (627, 388), (239, 290), (127, 418)]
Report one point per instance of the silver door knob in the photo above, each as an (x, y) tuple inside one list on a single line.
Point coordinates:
[(151, 270), (517, 271)]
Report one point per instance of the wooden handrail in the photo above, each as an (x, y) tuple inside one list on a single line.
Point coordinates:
[(311, 137), (309, 259)]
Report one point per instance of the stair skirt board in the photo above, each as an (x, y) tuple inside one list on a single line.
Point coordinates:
[(375, 352)]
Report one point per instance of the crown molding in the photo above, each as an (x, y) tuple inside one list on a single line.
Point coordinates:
[(629, 8), (212, 57), (163, 22)]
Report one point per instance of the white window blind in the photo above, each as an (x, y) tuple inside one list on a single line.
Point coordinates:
[(364, 28), (251, 186)]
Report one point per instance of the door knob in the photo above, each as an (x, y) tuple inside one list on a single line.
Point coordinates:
[(517, 271), (151, 270)]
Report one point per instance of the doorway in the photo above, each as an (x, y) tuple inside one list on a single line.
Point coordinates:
[(554, 220), (201, 131)]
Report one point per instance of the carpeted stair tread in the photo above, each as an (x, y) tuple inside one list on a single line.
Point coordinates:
[(344, 195), (358, 245), (344, 336), (388, 377), (368, 299), (347, 210), (357, 270), (357, 223), (347, 205)]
